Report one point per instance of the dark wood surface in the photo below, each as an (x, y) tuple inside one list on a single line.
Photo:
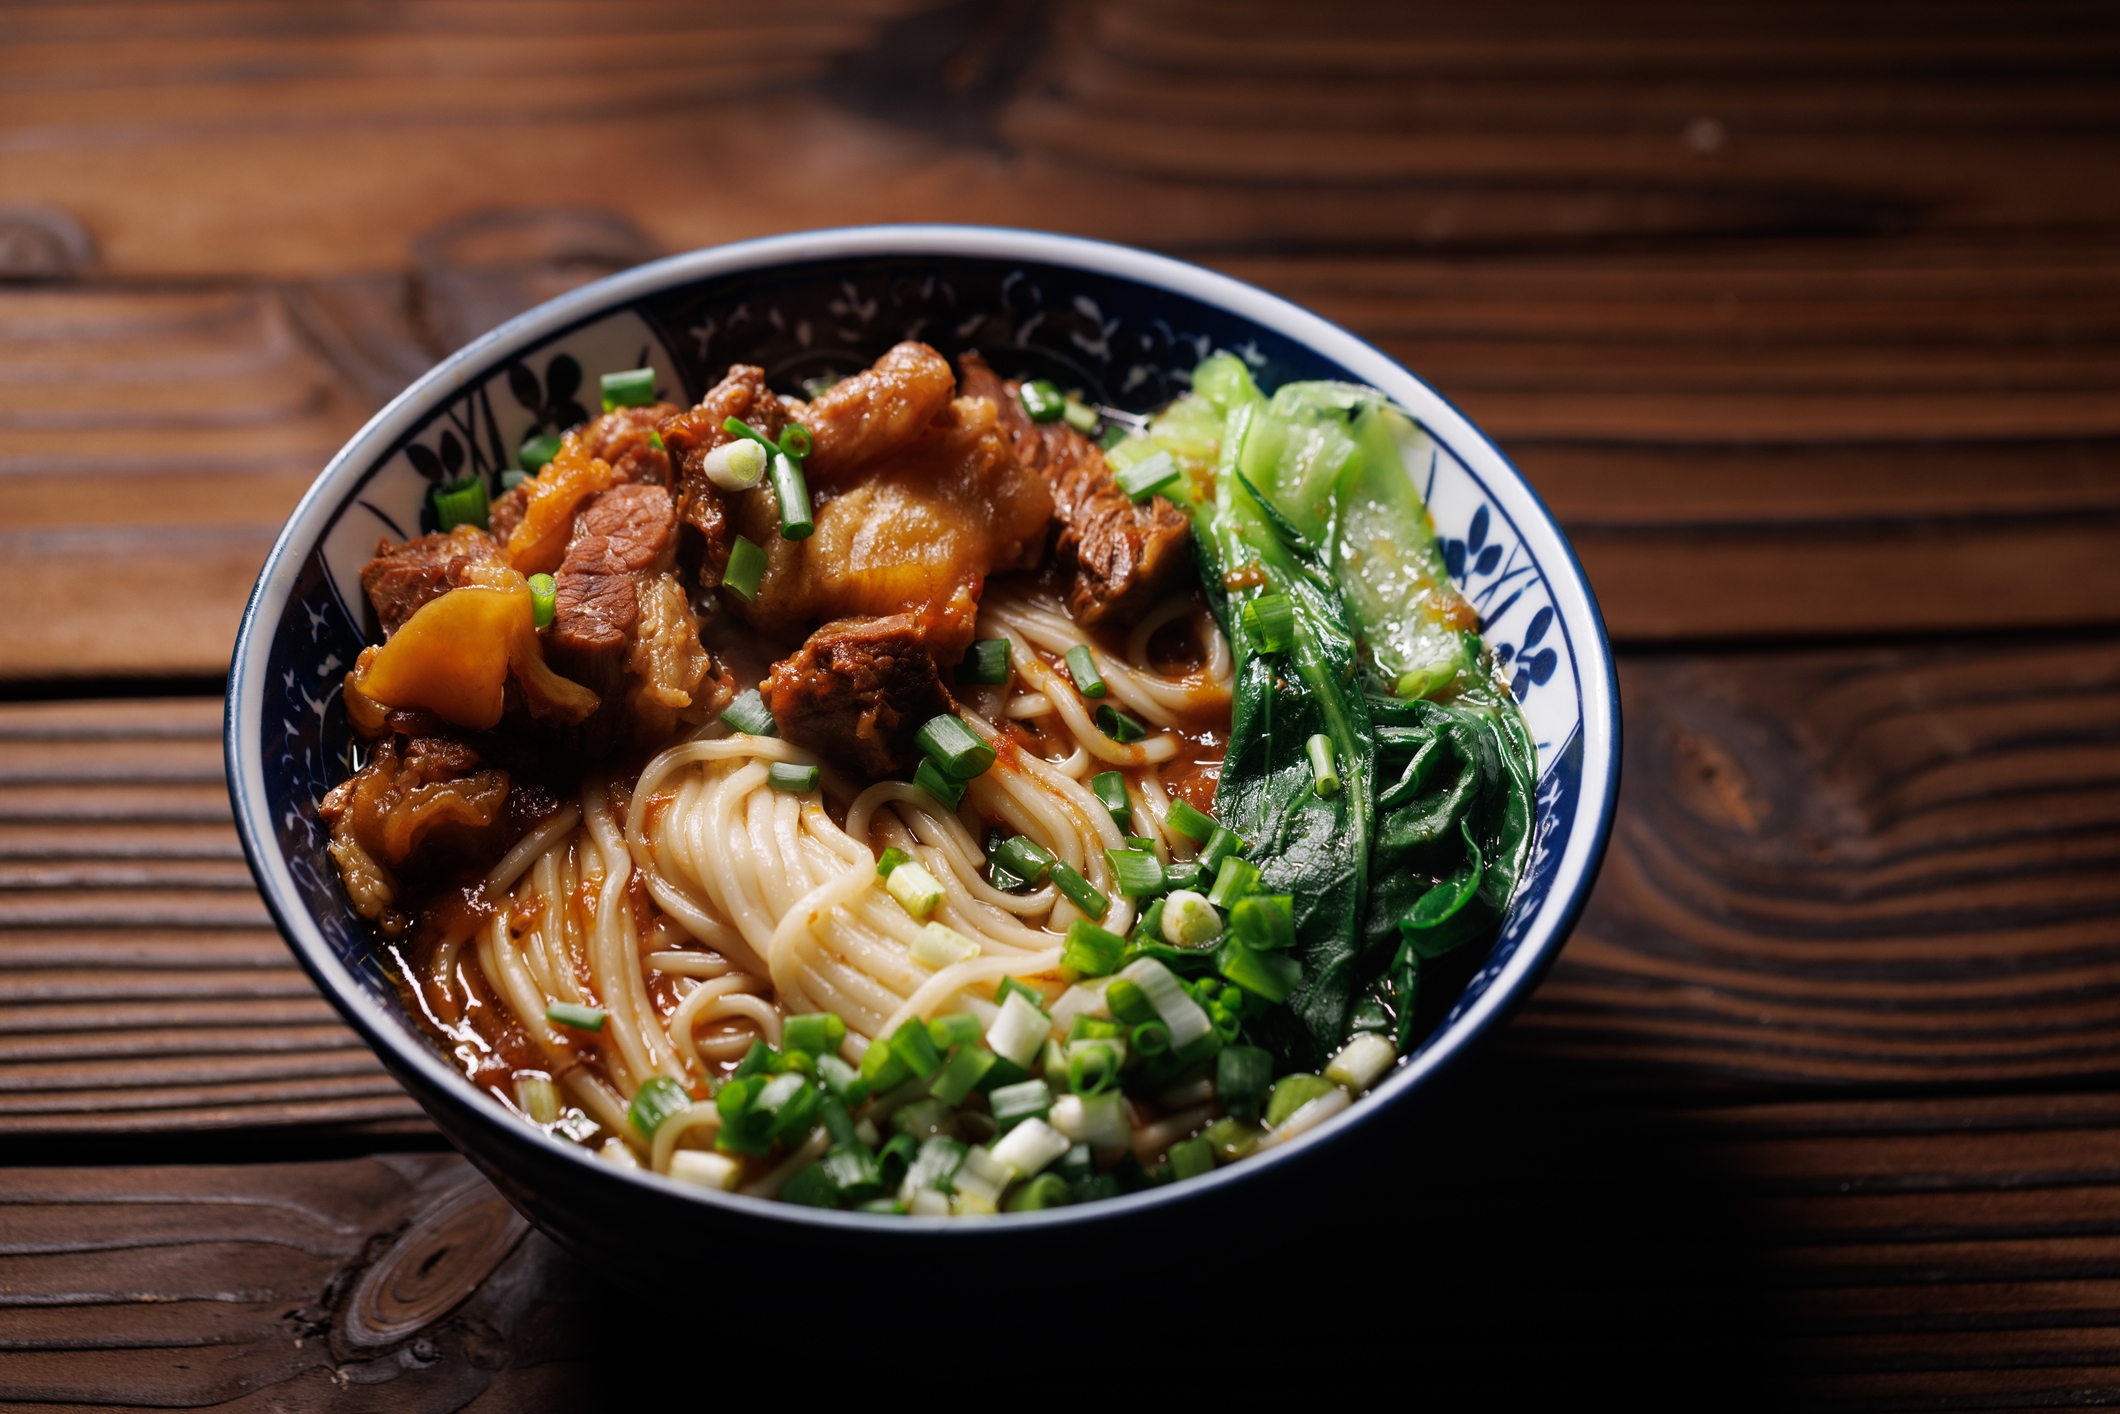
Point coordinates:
[(1805, 319)]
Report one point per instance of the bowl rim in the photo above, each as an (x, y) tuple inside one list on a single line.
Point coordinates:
[(1599, 724)]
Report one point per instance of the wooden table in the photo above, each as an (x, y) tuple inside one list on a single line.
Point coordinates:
[(1804, 318)]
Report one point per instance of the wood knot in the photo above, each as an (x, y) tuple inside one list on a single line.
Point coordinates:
[(433, 1266), (1712, 784)]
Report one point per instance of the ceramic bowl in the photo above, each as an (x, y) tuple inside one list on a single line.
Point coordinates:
[(1126, 326)]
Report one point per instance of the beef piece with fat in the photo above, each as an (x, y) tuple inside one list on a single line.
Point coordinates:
[(625, 536), (702, 507), (1124, 555), (403, 578), (858, 691)]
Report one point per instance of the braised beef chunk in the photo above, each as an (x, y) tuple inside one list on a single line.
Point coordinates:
[(400, 579), (506, 512), (433, 799), (624, 437), (1125, 556), (857, 692), (689, 436), (877, 412), (625, 535)]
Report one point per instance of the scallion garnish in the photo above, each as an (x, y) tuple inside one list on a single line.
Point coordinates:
[(1187, 1019), (1150, 1038), (512, 478), (951, 745), (912, 1044), (1135, 872), (1271, 975), (538, 1098), (658, 1098), (958, 1028), (986, 663), (1292, 1092), (1083, 669), (1190, 821), (736, 465), (918, 892), (1362, 1062), (842, 1081), (544, 592), (1149, 926), (1270, 620), (1220, 846), (537, 452), (1189, 920), (961, 1074), (1043, 400), (787, 776), (574, 1016), (1118, 726), (1080, 891), (1189, 1158), (1324, 776), (1047, 1190), (1013, 1104), (789, 487), (891, 859), (461, 503), (749, 714), (747, 566), (817, 1032), (938, 945), (1236, 878), (629, 388), (1148, 476), (1128, 1002), (1093, 1066), (1019, 1029), (1110, 789), (881, 1068), (1025, 858), (1089, 951), (1081, 416), (1263, 920), (929, 777)]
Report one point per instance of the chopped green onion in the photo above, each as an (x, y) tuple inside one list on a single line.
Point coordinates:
[(791, 1102), (1089, 951), (580, 1018), (1014, 1104), (1128, 1002), (1025, 858), (461, 503), (1270, 620), (917, 891), (747, 566), (1148, 476), (1080, 891), (1081, 416), (853, 1171), (1083, 669), (938, 945), (1220, 847), (951, 745), (958, 1028), (786, 775), (1099, 1120), (1362, 1062), (841, 1080), (658, 1098), (1271, 975), (986, 663), (1293, 1092), (630, 388), (1192, 1157), (897, 1156), (933, 1166), (795, 441), (760, 1059), (1016, 984), (1189, 920), (912, 1044), (1042, 400), (962, 1073), (793, 493), (1150, 1038), (512, 478), (1230, 1139), (1135, 872), (1243, 1075), (1019, 1030), (655, 440), (1113, 436), (1030, 1145), (1190, 821), (1118, 726), (1047, 1190), (1264, 920), (737, 465), (1110, 789), (1236, 878), (1150, 923), (818, 1032), (1324, 776), (929, 777), (924, 1117), (1183, 874), (1081, 1026), (544, 592), (704, 1170), (881, 1068), (537, 452), (1093, 1066), (749, 714), (1187, 1020), (891, 859), (537, 1097)]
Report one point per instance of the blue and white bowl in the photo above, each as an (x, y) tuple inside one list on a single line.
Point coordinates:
[(1124, 325)]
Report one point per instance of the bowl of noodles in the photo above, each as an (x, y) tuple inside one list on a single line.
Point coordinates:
[(918, 734)]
